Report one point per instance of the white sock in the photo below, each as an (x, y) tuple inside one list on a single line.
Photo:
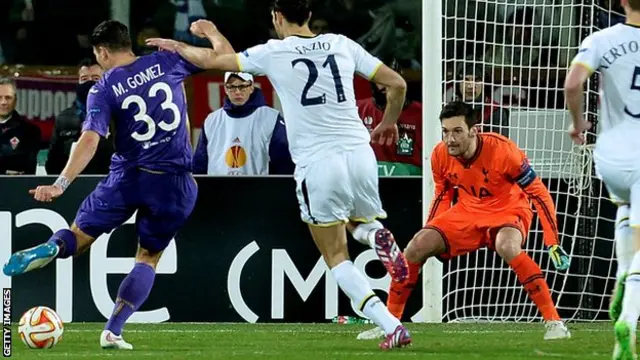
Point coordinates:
[(366, 233), (357, 288), (624, 240), (631, 301)]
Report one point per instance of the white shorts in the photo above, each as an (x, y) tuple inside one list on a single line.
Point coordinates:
[(339, 188), (618, 166)]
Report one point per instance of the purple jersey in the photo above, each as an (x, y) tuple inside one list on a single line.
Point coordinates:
[(145, 99)]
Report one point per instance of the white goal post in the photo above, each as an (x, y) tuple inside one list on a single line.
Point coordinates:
[(520, 52), (431, 105)]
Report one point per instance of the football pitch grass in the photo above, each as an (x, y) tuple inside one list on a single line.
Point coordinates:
[(326, 341)]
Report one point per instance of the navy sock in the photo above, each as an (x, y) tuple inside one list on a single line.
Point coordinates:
[(66, 240), (133, 292)]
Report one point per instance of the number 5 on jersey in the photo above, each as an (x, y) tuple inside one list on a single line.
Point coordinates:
[(142, 111), (313, 77), (635, 85)]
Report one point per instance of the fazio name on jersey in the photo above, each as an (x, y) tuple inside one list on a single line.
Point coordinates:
[(316, 46)]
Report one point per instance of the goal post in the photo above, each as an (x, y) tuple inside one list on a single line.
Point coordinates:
[(519, 53), (432, 67)]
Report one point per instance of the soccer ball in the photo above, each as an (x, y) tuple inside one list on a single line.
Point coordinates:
[(40, 328)]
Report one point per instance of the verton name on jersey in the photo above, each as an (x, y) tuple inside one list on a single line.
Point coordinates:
[(619, 51), (139, 79), (316, 46)]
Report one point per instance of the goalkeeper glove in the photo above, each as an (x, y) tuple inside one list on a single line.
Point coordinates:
[(559, 257)]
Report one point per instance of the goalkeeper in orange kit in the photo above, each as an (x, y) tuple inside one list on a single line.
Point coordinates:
[(495, 185)]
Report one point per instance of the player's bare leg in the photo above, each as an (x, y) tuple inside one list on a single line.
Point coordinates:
[(508, 244), (624, 255), (133, 292), (375, 235), (625, 326), (332, 243), (62, 244), (425, 244)]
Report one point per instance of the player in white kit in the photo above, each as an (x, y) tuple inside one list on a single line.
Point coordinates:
[(336, 169), (615, 52)]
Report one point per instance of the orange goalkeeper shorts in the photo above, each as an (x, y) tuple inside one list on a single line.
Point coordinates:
[(464, 232)]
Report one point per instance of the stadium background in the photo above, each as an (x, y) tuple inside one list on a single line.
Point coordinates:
[(41, 47)]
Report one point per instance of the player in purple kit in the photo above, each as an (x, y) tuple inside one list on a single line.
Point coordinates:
[(150, 172)]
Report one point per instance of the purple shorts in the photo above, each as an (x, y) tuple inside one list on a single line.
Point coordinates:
[(163, 201)]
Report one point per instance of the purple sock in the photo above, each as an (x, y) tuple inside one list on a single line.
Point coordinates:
[(66, 241), (134, 290)]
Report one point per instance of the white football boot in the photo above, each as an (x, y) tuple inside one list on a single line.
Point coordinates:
[(110, 341), (371, 334), (556, 330)]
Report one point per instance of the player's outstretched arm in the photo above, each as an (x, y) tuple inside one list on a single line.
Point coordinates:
[(81, 156), (95, 125), (207, 30), (387, 131), (543, 203), (521, 173), (582, 66), (83, 152), (221, 57), (396, 89), (573, 91), (203, 58)]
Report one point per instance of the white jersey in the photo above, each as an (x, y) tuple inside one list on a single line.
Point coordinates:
[(615, 51), (313, 78), (239, 146)]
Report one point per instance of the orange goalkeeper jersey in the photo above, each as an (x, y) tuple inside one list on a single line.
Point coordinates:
[(496, 178)]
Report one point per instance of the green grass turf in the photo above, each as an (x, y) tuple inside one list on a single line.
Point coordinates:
[(326, 341)]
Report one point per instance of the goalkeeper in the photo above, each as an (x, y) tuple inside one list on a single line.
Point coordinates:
[(495, 185)]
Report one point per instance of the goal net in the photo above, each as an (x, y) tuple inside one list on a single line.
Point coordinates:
[(510, 59)]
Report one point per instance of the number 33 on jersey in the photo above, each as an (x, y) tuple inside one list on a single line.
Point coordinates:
[(146, 103), (314, 79)]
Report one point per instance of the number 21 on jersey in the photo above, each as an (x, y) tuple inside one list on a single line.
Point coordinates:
[(142, 111), (313, 77)]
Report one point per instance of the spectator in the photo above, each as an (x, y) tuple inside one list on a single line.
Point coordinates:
[(395, 32), (472, 89), (188, 11), (405, 157), (351, 18), (245, 137), (149, 30), (609, 13), (20, 33), (7, 33), (319, 26), (47, 27), (68, 127), (19, 140), (524, 44)]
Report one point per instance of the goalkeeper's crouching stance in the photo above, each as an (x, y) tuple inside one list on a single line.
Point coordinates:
[(495, 186)]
